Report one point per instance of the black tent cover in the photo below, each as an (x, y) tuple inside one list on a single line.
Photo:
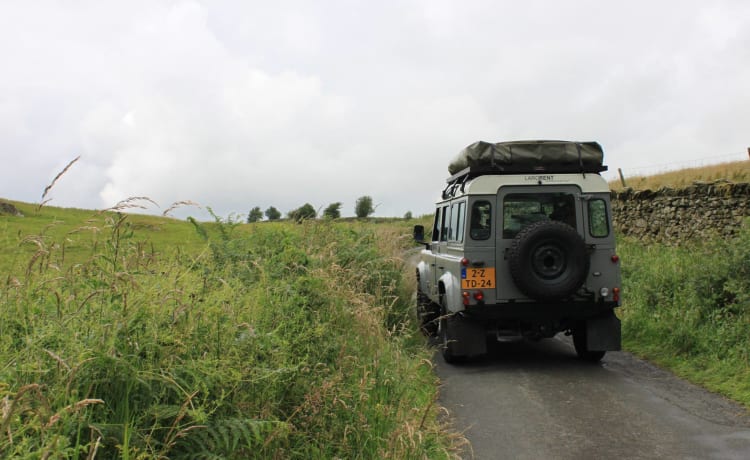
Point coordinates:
[(541, 155)]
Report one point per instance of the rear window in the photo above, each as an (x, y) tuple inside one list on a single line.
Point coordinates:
[(522, 209), (481, 220)]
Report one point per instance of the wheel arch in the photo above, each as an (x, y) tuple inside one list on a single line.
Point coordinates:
[(450, 288)]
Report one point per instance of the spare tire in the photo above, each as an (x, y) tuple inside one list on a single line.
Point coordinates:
[(548, 261)]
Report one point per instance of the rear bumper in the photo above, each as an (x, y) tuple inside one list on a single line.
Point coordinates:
[(539, 312)]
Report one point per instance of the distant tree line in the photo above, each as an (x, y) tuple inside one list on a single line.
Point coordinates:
[(256, 215), (363, 208)]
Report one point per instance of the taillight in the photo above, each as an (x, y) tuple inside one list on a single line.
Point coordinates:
[(615, 258), (616, 294), (467, 296), (465, 262)]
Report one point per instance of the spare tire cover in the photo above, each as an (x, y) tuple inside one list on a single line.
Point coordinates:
[(548, 261)]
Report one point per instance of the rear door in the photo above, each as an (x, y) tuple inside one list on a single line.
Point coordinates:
[(520, 206)]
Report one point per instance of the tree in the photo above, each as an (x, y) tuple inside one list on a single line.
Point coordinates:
[(255, 215), (273, 213), (363, 207), (304, 212), (333, 211), (408, 215)]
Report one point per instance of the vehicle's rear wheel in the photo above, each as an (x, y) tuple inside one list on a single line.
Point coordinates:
[(580, 343)]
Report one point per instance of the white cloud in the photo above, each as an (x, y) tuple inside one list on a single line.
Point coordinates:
[(237, 104)]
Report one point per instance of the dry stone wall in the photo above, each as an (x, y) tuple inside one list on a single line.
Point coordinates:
[(9, 210), (672, 216)]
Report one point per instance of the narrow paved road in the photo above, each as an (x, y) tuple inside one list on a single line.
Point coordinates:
[(537, 401)]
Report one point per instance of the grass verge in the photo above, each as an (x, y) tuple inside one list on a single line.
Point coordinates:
[(688, 309), (267, 341)]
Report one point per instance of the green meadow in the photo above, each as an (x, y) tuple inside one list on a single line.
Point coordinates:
[(129, 336)]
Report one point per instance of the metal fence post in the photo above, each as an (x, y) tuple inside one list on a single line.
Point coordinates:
[(622, 176)]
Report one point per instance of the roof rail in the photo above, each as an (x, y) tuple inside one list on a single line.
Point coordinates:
[(458, 181)]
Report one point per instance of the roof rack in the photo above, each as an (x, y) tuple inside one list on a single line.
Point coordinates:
[(458, 181)]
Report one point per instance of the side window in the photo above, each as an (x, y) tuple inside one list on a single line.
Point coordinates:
[(444, 224), (457, 222), (436, 226), (598, 218), (481, 220)]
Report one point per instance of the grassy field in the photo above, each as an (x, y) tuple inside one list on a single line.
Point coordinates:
[(738, 171), (688, 309), (126, 336), (73, 235)]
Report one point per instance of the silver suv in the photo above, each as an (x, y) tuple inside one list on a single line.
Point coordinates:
[(521, 247)]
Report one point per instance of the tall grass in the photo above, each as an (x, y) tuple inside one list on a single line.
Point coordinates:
[(737, 171), (688, 308), (273, 341)]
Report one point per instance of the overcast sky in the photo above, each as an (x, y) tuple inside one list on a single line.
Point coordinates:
[(235, 104)]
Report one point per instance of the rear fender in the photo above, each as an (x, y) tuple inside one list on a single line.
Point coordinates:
[(452, 292)]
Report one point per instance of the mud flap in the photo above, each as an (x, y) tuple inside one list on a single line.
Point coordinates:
[(468, 336), (604, 333)]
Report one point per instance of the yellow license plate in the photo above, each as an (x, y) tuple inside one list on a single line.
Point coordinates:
[(477, 278)]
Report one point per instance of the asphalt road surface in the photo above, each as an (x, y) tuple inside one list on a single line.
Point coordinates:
[(537, 401)]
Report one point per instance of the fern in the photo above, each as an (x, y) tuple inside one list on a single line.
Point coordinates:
[(227, 438)]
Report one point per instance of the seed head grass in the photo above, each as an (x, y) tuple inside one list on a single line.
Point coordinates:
[(126, 336), (54, 181)]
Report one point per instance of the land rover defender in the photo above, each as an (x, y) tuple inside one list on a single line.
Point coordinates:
[(522, 246)]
